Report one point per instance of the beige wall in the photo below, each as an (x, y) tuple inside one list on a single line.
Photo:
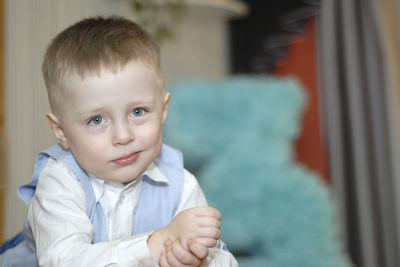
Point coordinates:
[(199, 50)]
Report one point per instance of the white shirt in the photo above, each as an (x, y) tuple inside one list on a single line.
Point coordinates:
[(63, 231)]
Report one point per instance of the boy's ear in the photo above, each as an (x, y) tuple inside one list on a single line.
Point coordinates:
[(57, 129), (167, 97)]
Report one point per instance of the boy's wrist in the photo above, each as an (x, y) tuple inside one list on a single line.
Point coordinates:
[(156, 241)]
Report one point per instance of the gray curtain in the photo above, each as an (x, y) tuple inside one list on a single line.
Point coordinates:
[(355, 88)]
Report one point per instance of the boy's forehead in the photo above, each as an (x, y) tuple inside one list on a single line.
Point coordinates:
[(135, 72), (132, 67)]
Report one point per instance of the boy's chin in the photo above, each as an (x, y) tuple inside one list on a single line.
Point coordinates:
[(122, 179), (127, 177)]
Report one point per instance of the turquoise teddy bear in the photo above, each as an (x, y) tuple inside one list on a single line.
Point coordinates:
[(237, 137)]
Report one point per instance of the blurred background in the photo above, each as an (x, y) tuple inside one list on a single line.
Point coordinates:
[(328, 67)]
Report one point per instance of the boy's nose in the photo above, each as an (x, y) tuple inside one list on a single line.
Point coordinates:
[(123, 134)]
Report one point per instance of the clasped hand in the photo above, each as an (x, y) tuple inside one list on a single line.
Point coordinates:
[(186, 240)]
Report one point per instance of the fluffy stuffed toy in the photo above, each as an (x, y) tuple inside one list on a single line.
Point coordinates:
[(237, 137)]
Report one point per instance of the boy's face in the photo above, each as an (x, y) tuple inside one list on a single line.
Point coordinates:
[(112, 122)]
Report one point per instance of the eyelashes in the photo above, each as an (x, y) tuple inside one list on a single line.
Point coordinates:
[(96, 120), (137, 112)]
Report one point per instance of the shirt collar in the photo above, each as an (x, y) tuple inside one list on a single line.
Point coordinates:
[(152, 172)]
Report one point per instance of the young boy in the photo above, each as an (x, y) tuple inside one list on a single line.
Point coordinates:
[(110, 193)]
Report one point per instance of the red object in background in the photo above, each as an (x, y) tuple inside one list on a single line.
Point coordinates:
[(301, 61)]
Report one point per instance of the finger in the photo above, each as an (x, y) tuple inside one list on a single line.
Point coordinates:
[(207, 242), (208, 232), (173, 261), (198, 250), (208, 222), (208, 212), (184, 256), (163, 260), (168, 244)]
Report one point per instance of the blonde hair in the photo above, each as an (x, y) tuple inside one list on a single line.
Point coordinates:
[(92, 44)]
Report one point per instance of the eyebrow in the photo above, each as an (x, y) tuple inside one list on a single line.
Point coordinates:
[(101, 109)]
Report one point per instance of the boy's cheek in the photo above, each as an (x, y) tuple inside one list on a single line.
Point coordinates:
[(89, 147), (150, 137)]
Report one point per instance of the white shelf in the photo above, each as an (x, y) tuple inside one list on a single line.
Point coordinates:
[(226, 8)]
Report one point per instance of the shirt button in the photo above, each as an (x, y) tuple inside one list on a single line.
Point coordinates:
[(122, 198)]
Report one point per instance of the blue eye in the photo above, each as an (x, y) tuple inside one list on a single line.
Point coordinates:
[(138, 112), (96, 120)]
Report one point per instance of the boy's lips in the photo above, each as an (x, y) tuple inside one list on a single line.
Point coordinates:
[(128, 159)]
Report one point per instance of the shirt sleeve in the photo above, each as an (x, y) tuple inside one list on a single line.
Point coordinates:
[(193, 196), (63, 232)]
